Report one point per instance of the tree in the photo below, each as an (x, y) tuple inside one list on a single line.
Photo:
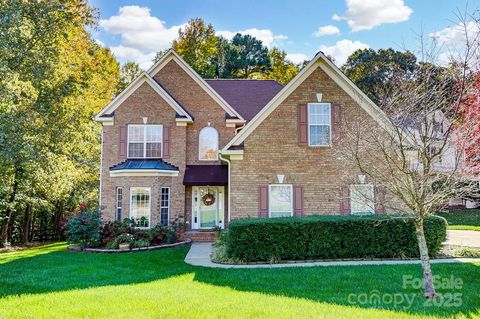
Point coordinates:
[(54, 79), (225, 59), (128, 72), (423, 116), (469, 126), (159, 55), (250, 56), (197, 44), (372, 71), (282, 69)]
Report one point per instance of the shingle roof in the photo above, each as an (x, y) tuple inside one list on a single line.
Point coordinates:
[(156, 164), (247, 97)]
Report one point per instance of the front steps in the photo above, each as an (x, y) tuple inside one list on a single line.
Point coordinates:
[(201, 236)]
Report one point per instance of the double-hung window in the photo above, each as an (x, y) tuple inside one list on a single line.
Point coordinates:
[(140, 206), (280, 200), (164, 205), (119, 198), (362, 199), (319, 124), (145, 141)]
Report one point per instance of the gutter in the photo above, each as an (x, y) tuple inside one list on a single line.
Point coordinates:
[(229, 173)]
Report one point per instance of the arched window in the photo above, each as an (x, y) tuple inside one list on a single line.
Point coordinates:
[(208, 144)]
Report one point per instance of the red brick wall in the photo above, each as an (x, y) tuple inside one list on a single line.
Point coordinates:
[(145, 102), (199, 104), (273, 149)]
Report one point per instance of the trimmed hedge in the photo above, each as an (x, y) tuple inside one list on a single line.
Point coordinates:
[(330, 237)]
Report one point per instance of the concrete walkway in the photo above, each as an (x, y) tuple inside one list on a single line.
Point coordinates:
[(469, 238), (199, 255)]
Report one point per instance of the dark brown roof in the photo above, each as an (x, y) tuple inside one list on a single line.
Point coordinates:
[(247, 97)]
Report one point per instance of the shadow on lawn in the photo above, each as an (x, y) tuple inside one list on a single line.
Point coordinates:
[(59, 270)]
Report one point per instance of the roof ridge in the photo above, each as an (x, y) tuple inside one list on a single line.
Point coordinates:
[(242, 80)]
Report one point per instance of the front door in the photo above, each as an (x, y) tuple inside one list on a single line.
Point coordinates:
[(207, 207)]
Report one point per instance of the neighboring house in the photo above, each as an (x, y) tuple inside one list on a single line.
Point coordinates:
[(176, 145)]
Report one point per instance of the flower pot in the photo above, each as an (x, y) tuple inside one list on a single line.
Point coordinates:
[(124, 246), (471, 204)]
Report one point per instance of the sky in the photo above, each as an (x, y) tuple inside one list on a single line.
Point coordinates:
[(136, 29)]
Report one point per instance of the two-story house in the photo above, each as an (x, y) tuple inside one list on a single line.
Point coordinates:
[(176, 145)]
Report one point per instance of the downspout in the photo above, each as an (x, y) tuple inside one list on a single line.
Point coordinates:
[(229, 173), (228, 187), (239, 128), (101, 168)]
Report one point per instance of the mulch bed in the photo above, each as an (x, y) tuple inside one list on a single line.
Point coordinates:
[(113, 251)]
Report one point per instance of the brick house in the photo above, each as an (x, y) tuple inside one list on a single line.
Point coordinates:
[(176, 145)]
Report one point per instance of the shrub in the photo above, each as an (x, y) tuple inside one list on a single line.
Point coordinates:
[(124, 238), (112, 230), (175, 231), (467, 252), (84, 229), (139, 243), (157, 234), (330, 237)]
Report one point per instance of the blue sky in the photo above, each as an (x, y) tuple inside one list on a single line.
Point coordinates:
[(135, 30)]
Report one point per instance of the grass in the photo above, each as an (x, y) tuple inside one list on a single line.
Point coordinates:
[(49, 282), (468, 219)]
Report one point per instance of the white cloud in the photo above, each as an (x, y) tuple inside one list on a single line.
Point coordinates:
[(142, 35), (367, 14), (342, 49), (265, 35), (297, 57), (144, 60), (139, 29), (455, 36), (326, 30)]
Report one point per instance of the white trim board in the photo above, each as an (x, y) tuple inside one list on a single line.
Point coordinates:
[(319, 61), (130, 89), (172, 55), (142, 172)]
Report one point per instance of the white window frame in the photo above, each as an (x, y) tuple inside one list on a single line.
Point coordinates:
[(218, 144), (309, 105), (168, 204), (270, 198), (371, 207), (149, 205), (144, 140), (117, 206)]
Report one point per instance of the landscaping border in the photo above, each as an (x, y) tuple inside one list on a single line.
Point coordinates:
[(200, 255), (118, 251)]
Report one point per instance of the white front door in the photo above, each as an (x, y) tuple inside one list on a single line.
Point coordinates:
[(207, 207)]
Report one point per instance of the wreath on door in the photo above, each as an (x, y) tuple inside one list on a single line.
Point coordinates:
[(208, 199)]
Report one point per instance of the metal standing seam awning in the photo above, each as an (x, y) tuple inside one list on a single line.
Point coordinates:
[(203, 175), (144, 167)]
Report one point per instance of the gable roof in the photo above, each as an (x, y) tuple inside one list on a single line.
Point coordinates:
[(105, 115), (172, 55), (248, 97), (319, 61)]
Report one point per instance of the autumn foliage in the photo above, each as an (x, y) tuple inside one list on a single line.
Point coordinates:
[(470, 126)]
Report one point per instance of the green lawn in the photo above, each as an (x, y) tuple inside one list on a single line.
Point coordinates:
[(468, 219), (49, 282)]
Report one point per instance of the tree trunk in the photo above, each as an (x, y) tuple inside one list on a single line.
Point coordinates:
[(9, 212), (429, 288), (26, 224), (4, 229)]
